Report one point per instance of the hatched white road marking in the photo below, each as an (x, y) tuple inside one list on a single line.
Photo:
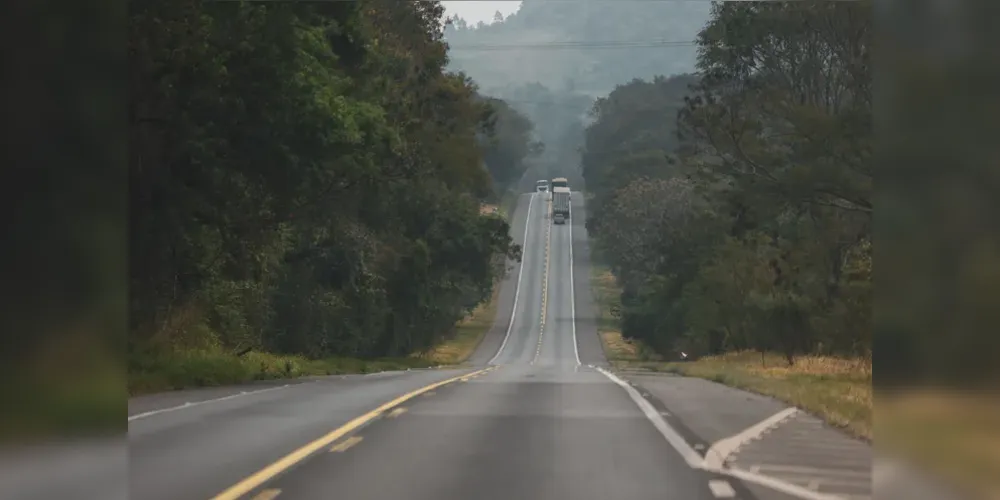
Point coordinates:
[(720, 450), (695, 460)]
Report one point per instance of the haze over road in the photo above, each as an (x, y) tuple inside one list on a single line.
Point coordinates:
[(535, 417)]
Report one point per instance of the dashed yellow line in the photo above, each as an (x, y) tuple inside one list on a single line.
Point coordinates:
[(345, 444), (267, 473), (545, 283), (269, 494), (396, 412)]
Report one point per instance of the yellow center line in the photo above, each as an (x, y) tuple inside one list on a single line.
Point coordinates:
[(260, 477), (545, 283), (396, 412), (345, 444)]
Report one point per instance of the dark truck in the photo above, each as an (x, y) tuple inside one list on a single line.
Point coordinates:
[(560, 205)]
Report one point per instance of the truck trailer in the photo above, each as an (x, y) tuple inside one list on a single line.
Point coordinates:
[(560, 182), (560, 205)]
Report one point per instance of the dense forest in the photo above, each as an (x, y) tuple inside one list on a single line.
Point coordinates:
[(306, 178), (735, 204)]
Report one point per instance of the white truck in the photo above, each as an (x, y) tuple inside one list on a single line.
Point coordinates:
[(560, 182), (542, 186)]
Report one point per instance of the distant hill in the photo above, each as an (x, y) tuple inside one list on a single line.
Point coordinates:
[(583, 46), (553, 58)]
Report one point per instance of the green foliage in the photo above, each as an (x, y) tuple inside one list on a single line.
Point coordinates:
[(305, 179), (746, 222), (197, 368), (633, 136), (507, 142)]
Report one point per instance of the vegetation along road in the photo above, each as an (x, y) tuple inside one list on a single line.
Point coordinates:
[(537, 416)]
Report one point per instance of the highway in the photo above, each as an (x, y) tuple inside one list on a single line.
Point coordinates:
[(535, 415)]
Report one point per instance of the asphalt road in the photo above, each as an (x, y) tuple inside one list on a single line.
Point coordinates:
[(540, 422), (536, 417)]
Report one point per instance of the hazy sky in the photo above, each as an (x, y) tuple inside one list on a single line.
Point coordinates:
[(473, 12)]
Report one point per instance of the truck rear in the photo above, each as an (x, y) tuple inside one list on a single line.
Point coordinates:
[(560, 205)]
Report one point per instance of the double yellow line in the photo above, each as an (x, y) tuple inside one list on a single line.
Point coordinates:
[(260, 477)]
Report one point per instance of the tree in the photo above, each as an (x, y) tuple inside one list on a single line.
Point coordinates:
[(633, 136), (507, 141), (769, 246), (305, 178), (783, 116)]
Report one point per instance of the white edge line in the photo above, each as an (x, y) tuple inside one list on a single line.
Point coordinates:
[(695, 461), (692, 457), (517, 288), (716, 455), (572, 290), (198, 403)]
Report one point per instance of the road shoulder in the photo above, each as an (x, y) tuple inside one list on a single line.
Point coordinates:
[(791, 446), (157, 402)]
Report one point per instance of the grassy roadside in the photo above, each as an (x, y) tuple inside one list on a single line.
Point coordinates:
[(189, 369), (92, 398), (213, 368), (469, 334), (956, 435), (837, 390), (621, 353), (72, 390)]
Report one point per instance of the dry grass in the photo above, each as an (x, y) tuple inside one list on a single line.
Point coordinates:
[(621, 352), (618, 347), (468, 334), (183, 369), (835, 389), (954, 434)]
